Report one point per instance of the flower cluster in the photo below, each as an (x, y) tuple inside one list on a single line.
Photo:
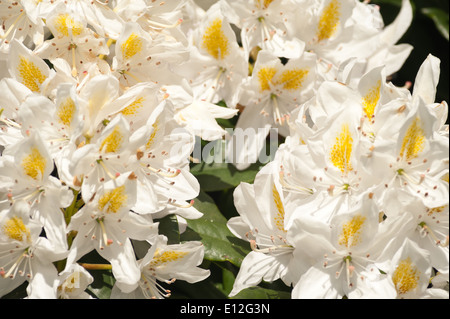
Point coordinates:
[(102, 103), (355, 203), (93, 153)]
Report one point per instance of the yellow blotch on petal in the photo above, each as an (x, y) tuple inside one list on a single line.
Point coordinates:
[(151, 139), (34, 164), (133, 108), (351, 231), (32, 76), (341, 152), (279, 217), (329, 20), (414, 141), (66, 111), (113, 200), (293, 79), (406, 276), (436, 210), (113, 142), (263, 3), (370, 100), (132, 46), (265, 77), (64, 23), (15, 229), (215, 41), (160, 258)]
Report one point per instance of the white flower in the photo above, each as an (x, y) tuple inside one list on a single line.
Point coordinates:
[(329, 165), (72, 41), (409, 273), (101, 16), (197, 116), (336, 259), (271, 94), (29, 69), (263, 217), (21, 21), (165, 263), (25, 256), (425, 85), (265, 24), (141, 58), (431, 232), (162, 167), (217, 66), (73, 282), (106, 224), (26, 175), (411, 162), (59, 122), (338, 29)]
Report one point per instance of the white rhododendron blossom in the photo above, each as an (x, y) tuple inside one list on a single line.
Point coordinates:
[(109, 111)]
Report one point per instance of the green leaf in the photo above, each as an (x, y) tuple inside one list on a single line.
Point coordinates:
[(227, 280), (102, 285), (220, 244), (261, 293), (219, 176), (397, 3), (168, 226), (440, 19)]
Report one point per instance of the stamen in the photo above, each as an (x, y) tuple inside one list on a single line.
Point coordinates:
[(213, 87), (107, 171), (164, 26), (74, 62), (151, 288), (132, 76), (301, 189), (162, 173), (15, 268), (104, 235), (172, 202), (425, 230), (4, 36)]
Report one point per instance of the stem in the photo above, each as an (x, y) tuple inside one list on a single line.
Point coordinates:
[(96, 266), (69, 211)]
